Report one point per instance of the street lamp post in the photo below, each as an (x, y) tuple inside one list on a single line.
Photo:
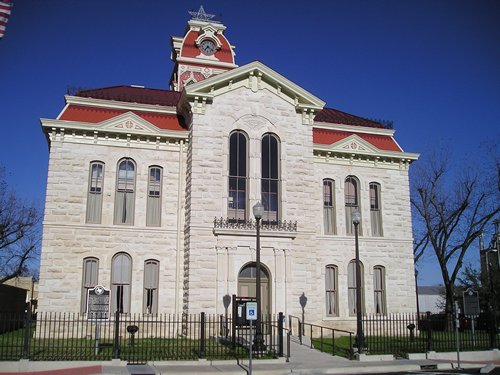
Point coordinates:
[(492, 299), (356, 219), (258, 342)]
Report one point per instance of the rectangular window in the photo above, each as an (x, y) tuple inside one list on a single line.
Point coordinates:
[(351, 197), (237, 197), (89, 279), (270, 178), (379, 289), (121, 276), (125, 193), (94, 194), (328, 207), (151, 271), (153, 216), (375, 210), (331, 291), (351, 285)]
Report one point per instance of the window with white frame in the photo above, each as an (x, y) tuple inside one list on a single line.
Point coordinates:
[(331, 278), (351, 285), (153, 211), (329, 207), (375, 210), (89, 279), (121, 277), (379, 289), (351, 197), (151, 273), (125, 192), (237, 197), (270, 178), (94, 193)]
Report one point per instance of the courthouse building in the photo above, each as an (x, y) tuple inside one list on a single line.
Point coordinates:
[(150, 194)]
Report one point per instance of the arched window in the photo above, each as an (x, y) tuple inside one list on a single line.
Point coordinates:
[(121, 277), (351, 285), (379, 289), (151, 272), (125, 192), (89, 279), (270, 180), (375, 210), (351, 195), (153, 211), (329, 207), (331, 277), (94, 194), (237, 197)]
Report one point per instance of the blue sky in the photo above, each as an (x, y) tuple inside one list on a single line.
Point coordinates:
[(431, 67)]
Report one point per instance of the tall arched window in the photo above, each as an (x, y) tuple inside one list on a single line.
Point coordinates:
[(151, 273), (125, 192), (375, 209), (329, 207), (94, 194), (237, 197), (379, 289), (121, 278), (89, 279), (351, 286), (351, 195), (270, 181), (331, 298), (153, 211)]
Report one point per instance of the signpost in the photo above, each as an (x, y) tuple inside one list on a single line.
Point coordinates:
[(251, 313), (471, 308), (98, 308)]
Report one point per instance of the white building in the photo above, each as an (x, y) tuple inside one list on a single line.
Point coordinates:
[(137, 176)]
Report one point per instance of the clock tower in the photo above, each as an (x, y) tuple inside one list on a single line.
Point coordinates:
[(202, 52)]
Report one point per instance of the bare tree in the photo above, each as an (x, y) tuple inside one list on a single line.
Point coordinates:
[(451, 213), (19, 233)]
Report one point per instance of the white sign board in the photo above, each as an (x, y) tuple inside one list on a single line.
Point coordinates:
[(251, 310)]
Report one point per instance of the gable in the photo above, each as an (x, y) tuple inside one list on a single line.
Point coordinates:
[(254, 76)]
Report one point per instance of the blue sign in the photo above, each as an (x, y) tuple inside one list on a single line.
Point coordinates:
[(251, 308)]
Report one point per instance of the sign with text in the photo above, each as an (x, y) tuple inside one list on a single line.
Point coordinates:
[(471, 303), (98, 303)]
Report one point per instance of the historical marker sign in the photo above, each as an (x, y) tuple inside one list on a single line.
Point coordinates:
[(98, 303), (471, 302)]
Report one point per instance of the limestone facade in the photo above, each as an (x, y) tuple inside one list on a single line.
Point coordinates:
[(200, 261)]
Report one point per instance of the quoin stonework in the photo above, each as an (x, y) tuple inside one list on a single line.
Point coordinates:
[(150, 194)]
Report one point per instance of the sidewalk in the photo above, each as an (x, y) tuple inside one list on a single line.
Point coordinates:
[(303, 361)]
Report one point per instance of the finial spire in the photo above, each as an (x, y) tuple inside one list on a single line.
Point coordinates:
[(201, 15)]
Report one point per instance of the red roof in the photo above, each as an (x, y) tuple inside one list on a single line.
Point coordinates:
[(335, 116), (328, 137), (96, 114), (133, 94)]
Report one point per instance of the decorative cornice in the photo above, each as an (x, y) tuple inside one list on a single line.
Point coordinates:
[(353, 129), (209, 62), (114, 104)]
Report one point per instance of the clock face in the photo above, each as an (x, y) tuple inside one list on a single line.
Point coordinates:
[(207, 47)]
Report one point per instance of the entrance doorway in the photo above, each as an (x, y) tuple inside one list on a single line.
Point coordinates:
[(246, 285)]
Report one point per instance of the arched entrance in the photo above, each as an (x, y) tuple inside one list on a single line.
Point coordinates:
[(246, 285)]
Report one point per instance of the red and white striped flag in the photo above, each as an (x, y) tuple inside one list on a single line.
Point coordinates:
[(5, 8)]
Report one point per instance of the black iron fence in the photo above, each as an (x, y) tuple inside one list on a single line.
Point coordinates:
[(134, 338), (400, 334), (326, 339)]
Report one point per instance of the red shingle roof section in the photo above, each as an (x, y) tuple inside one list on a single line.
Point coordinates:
[(133, 94), (335, 116), (328, 137), (95, 115)]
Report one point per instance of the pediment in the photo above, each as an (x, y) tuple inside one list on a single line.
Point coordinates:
[(355, 144), (254, 76), (128, 122)]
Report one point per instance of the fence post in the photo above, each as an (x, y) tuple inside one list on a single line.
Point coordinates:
[(281, 319), (202, 335), (27, 331), (116, 341), (429, 331)]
